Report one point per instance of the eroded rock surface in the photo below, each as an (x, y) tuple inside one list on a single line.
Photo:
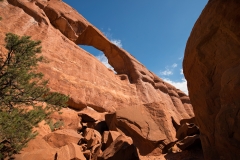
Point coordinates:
[(212, 69), (121, 148), (74, 72), (69, 152), (62, 137)]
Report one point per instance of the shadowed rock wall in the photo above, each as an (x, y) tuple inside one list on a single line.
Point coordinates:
[(212, 69)]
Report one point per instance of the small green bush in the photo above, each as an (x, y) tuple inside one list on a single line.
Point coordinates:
[(53, 126)]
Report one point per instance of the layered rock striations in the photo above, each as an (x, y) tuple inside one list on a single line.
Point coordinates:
[(145, 107), (212, 68)]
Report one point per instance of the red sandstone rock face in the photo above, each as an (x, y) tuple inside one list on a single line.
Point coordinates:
[(212, 69), (134, 90)]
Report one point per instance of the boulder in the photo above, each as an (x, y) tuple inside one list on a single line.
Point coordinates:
[(187, 129), (93, 119), (108, 137), (121, 148), (70, 152), (91, 143), (146, 134), (69, 118), (212, 69), (88, 114), (91, 137), (61, 138)]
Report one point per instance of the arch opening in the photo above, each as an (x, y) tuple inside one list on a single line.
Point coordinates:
[(99, 55)]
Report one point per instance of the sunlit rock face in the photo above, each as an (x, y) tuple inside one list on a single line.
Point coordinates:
[(212, 69), (146, 105)]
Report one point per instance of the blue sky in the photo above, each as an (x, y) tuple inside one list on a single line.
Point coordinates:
[(155, 32)]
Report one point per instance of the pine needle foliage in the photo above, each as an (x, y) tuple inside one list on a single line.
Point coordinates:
[(21, 85), (16, 129)]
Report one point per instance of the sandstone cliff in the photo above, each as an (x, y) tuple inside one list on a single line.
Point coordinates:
[(146, 108), (211, 67)]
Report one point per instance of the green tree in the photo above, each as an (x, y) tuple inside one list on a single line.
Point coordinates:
[(21, 87)]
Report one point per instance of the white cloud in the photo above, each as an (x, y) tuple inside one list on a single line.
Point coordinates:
[(167, 72), (102, 58), (107, 34), (174, 65), (117, 42), (182, 85), (181, 71)]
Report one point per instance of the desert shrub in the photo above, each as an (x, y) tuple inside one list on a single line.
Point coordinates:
[(53, 126)]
